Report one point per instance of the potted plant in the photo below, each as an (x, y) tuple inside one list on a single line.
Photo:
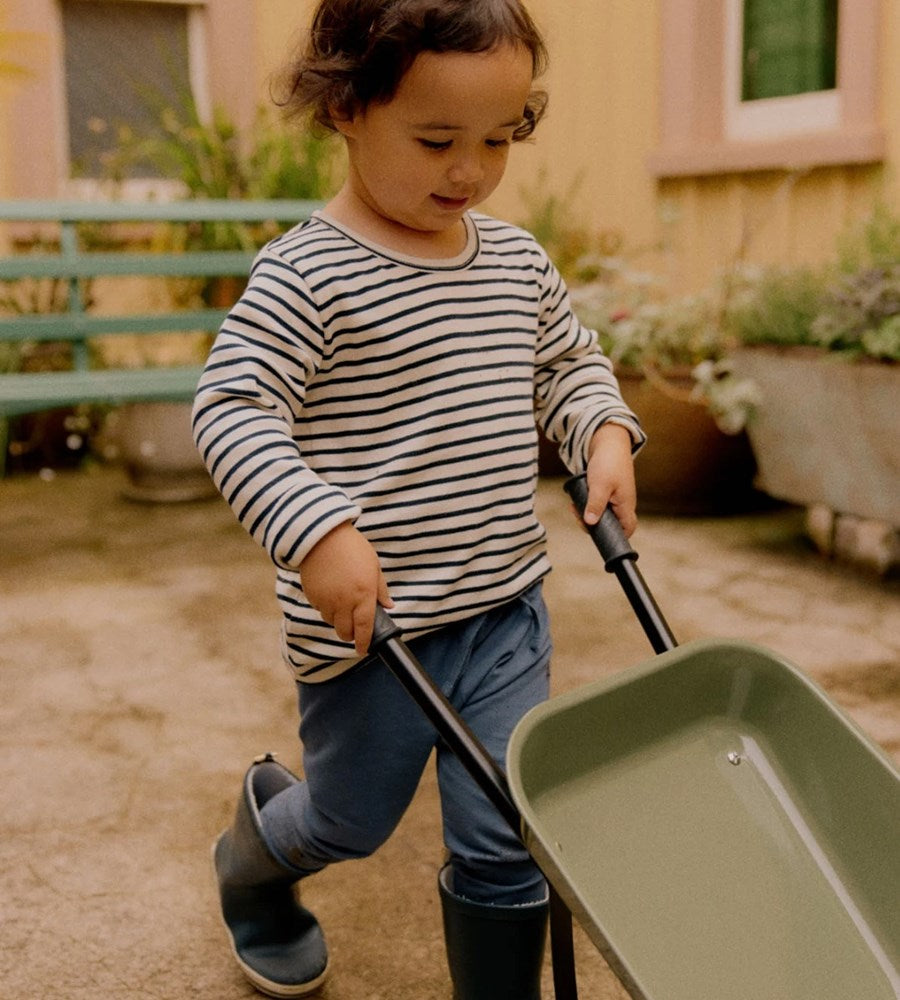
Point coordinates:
[(668, 357), (209, 160), (821, 347), (47, 439), (668, 354)]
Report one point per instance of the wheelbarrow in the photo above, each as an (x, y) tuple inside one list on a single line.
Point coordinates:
[(719, 829)]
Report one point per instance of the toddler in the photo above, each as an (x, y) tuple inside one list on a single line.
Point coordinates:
[(369, 411)]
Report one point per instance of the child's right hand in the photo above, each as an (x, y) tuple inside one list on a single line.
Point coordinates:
[(342, 580)]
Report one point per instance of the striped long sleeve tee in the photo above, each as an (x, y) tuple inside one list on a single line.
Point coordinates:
[(354, 383)]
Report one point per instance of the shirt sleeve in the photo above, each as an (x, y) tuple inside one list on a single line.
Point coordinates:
[(247, 403), (576, 391)]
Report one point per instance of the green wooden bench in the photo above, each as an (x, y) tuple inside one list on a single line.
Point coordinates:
[(63, 256)]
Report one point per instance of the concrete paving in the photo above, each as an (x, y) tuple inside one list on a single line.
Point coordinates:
[(140, 674)]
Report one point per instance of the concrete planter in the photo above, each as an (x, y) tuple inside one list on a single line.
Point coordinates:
[(826, 431), (153, 441)]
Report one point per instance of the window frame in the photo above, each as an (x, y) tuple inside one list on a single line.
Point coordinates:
[(703, 132), (770, 117)]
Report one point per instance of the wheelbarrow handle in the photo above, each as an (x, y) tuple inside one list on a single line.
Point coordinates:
[(607, 533), (388, 645), (620, 558)]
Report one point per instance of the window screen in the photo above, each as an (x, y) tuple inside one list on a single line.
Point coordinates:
[(122, 61), (789, 47)]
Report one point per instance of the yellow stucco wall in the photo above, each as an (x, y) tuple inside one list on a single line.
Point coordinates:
[(769, 217), (604, 83), (595, 144), (601, 121), (280, 27)]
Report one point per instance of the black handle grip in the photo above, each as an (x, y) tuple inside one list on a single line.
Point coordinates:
[(620, 558), (607, 533), (385, 628)]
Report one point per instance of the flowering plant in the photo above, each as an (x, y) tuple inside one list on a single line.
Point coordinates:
[(639, 329), (850, 307)]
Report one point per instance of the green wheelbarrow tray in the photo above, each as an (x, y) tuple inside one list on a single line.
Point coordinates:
[(719, 829)]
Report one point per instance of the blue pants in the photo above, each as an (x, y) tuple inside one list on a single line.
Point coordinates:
[(366, 744)]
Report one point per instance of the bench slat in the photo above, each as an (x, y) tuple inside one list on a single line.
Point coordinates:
[(196, 210), (208, 263), (26, 392), (46, 390), (69, 326)]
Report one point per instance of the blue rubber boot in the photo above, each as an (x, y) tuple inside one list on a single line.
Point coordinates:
[(494, 952), (277, 942)]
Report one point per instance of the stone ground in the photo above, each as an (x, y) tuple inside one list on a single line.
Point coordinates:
[(140, 674)]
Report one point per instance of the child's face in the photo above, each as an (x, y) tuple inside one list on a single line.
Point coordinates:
[(440, 145)]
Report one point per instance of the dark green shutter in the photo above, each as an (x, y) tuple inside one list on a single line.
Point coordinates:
[(789, 47)]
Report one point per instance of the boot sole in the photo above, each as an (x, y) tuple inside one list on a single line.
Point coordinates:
[(279, 989), (267, 986)]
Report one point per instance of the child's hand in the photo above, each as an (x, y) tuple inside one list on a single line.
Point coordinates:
[(610, 477), (342, 580)]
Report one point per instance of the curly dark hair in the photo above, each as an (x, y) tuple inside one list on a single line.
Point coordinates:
[(358, 51)]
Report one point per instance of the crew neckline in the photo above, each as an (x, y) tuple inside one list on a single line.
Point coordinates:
[(462, 259)]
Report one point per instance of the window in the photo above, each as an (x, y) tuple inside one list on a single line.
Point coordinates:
[(768, 84), (122, 62), (788, 47), (780, 68)]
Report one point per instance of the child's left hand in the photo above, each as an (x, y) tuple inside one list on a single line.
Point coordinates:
[(610, 477)]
